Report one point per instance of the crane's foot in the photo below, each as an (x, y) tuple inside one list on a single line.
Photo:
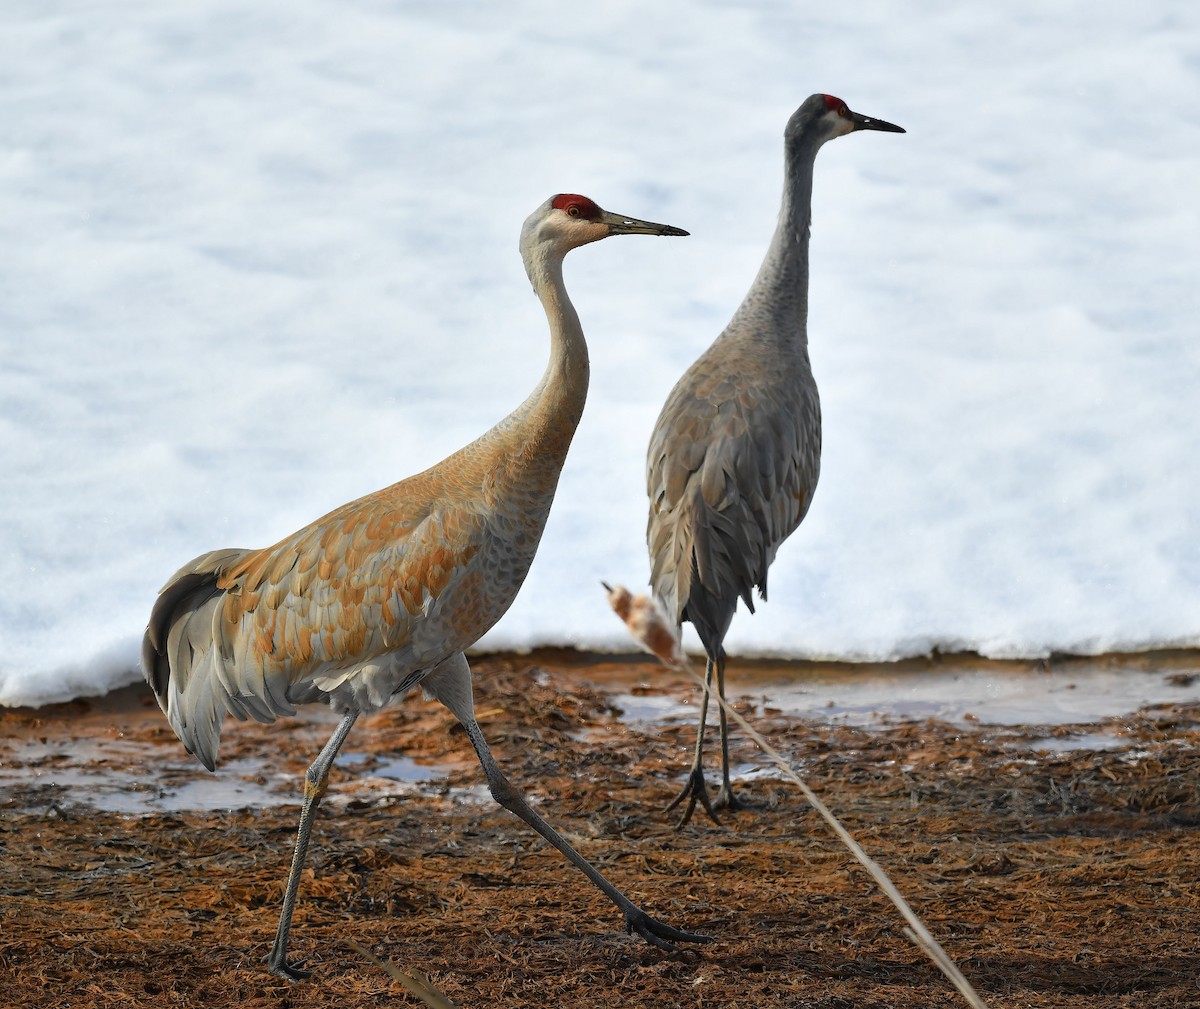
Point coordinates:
[(727, 800), (281, 968), (657, 933), (695, 790)]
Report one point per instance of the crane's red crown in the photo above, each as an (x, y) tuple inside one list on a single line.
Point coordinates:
[(577, 206), (835, 105)]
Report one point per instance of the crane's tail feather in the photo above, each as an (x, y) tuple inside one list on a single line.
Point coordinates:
[(185, 661)]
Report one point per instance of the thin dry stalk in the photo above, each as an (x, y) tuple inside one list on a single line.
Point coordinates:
[(416, 983), (650, 627)]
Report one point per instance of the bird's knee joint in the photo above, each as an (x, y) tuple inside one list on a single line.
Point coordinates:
[(315, 787)]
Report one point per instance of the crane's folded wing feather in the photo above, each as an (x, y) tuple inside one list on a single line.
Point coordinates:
[(253, 633), (730, 475)]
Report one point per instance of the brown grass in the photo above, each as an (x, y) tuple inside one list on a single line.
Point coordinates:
[(1055, 880)]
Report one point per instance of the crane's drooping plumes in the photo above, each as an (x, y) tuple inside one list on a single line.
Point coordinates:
[(385, 593), (735, 454)]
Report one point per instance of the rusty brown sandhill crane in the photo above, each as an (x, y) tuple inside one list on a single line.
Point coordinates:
[(734, 457), (384, 594)]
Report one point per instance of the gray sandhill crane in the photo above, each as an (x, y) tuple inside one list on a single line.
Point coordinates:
[(735, 453), (383, 594)]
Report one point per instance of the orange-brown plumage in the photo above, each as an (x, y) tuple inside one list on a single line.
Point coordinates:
[(386, 592)]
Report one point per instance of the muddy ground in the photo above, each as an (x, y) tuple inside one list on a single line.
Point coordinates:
[(1055, 876)]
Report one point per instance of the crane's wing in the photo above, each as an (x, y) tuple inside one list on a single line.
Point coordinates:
[(730, 472), (243, 631)]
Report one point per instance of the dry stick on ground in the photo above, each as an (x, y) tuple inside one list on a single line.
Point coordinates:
[(416, 983), (651, 629)]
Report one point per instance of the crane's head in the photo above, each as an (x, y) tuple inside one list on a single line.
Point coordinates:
[(823, 117), (567, 221)]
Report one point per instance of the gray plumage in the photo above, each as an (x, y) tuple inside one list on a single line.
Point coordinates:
[(735, 455)]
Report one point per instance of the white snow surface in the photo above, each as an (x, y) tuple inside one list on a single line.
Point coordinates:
[(260, 259)]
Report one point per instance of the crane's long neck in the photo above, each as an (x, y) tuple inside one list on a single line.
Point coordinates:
[(776, 306), (549, 416)]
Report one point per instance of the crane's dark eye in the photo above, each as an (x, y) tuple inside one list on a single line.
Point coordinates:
[(573, 210)]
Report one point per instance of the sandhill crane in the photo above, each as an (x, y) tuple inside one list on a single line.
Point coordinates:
[(384, 594), (735, 453)]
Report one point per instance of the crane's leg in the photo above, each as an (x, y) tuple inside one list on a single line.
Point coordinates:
[(450, 683), (315, 781), (725, 797), (695, 789)]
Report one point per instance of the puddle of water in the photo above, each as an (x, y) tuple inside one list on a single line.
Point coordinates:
[(1077, 741), (129, 775), (958, 696), (391, 767), (103, 773), (379, 775), (93, 773), (651, 707)]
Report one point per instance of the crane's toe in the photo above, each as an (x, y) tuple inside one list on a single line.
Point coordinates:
[(727, 800), (281, 968), (695, 790), (658, 933)]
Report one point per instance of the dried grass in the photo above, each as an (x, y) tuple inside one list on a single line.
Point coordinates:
[(650, 627), (1058, 880)]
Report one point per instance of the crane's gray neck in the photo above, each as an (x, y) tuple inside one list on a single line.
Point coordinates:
[(776, 306)]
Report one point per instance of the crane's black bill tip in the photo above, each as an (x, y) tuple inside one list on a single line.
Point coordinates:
[(867, 123), (618, 224), (630, 227)]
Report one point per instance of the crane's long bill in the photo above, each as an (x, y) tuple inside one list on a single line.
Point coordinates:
[(867, 123), (619, 224)]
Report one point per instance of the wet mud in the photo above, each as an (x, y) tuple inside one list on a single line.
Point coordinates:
[(1056, 860)]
